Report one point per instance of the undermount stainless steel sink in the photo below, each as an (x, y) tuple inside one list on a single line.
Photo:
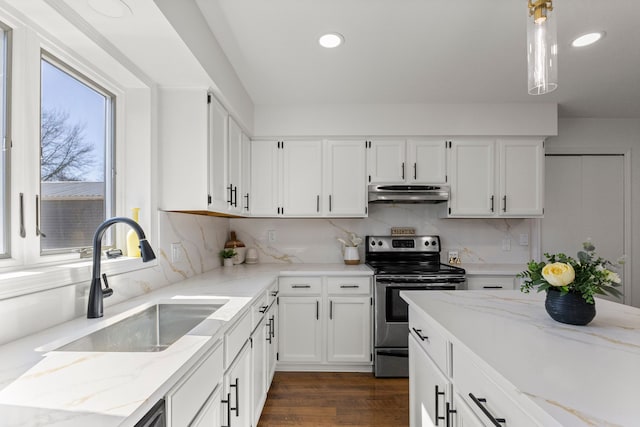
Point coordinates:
[(151, 330)]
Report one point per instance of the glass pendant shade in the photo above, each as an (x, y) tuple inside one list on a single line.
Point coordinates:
[(542, 52)]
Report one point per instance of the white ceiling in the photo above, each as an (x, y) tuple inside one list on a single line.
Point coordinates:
[(427, 51)]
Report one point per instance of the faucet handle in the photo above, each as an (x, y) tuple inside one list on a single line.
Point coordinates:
[(107, 291)]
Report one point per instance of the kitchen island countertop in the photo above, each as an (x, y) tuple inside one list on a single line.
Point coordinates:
[(577, 375)]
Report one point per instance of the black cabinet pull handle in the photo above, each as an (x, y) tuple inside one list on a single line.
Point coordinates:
[(263, 309), (449, 412), (492, 287), (415, 171), (419, 334), (330, 309), (230, 198), (228, 402), (349, 286), (329, 202), (235, 196), (438, 394), (492, 197), (480, 402), (269, 332), (318, 203), (237, 408), (274, 293), (403, 170), (272, 320), (317, 310), (246, 196), (300, 286), (504, 203)]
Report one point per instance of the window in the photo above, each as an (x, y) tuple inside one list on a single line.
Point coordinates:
[(76, 158), (5, 45)]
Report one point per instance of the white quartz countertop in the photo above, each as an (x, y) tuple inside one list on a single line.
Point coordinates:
[(579, 375), (40, 387), (492, 269)]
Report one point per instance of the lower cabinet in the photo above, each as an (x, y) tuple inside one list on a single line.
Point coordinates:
[(272, 342), (210, 415), (325, 323), (464, 415), (429, 390), (236, 399), (259, 369)]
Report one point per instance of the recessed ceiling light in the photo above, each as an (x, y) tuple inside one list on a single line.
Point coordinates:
[(331, 40), (110, 8), (587, 39)]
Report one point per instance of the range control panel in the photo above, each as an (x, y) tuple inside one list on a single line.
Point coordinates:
[(403, 244)]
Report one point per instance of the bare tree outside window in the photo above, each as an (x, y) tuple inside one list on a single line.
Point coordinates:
[(66, 156)]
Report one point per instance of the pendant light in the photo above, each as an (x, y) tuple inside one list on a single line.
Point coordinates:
[(542, 48)]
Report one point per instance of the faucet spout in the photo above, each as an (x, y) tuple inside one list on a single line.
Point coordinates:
[(96, 296)]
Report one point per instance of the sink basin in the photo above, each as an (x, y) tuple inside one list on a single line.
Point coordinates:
[(151, 330)]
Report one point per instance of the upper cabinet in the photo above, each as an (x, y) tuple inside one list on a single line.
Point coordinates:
[(203, 154), (496, 178), (307, 178), (411, 161)]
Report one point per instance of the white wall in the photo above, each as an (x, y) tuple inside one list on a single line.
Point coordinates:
[(406, 119), (605, 136), (478, 241)]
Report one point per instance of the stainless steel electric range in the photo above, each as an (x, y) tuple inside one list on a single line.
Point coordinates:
[(403, 263)]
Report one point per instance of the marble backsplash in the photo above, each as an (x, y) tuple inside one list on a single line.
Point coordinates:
[(478, 241)]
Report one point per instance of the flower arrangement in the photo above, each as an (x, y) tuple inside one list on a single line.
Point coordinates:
[(352, 241), (587, 276)]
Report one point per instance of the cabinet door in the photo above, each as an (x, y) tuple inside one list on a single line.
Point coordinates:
[(218, 160), (302, 179), (234, 182), (272, 343), (349, 334), (463, 415), (386, 161), (429, 389), (472, 171), (264, 199), (300, 329), (259, 365), (521, 178), (246, 174), (237, 391), (426, 161), (345, 181), (210, 414)]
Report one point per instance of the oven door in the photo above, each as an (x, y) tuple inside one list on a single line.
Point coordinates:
[(392, 312)]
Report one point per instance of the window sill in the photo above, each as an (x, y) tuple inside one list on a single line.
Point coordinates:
[(16, 283)]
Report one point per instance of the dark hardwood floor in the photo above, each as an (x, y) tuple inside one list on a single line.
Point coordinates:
[(336, 399)]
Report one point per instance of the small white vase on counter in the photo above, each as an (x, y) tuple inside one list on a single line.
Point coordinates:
[(351, 255)]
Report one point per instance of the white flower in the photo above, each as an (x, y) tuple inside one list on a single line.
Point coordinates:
[(613, 277)]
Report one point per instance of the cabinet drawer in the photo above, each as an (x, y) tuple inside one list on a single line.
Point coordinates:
[(471, 380), (191, 395), (235, 338), (258, 308), (430, 339), (300, 285), (348, 285), (490, 282)]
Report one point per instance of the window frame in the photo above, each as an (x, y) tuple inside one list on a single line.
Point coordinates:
[(5, 145), (110, 159)]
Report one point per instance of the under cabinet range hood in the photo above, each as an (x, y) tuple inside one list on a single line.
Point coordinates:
[(408, 193)]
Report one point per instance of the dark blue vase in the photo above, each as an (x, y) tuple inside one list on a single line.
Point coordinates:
[(569, 308)]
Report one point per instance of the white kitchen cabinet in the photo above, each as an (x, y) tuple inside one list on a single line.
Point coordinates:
[(490, 178), (300, 329), (325, 322), (246, 173), (412, 161), (210, 415), (272, 342), (236, 399), (219, 156), (191, 395), (349, 329), (234, 183), (302, 178), (345, 187), (286, 178), (264, 195), (429, 389), (259, 362)]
